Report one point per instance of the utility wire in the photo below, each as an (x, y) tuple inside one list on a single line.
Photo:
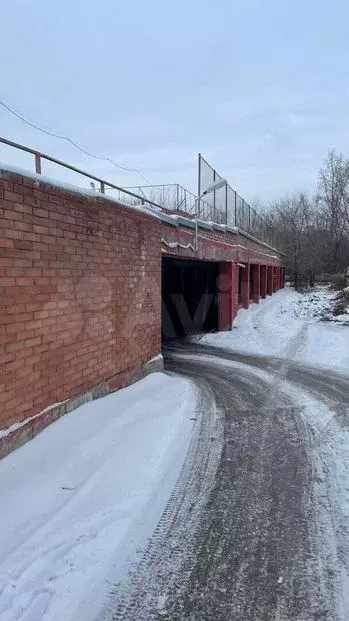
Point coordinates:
[(50, 132)]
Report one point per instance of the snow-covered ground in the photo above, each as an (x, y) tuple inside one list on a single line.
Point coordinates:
[(80, 500), (290, 324)]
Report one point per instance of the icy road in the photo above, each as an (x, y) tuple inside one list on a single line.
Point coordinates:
[(258, 527)]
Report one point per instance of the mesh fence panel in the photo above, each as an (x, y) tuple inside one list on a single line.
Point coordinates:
[(215, 208), (226, 206), (223, 205), (230, 211)]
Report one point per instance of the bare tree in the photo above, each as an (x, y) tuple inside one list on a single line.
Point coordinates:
[(314, 233), (293, 219), (332, 201)]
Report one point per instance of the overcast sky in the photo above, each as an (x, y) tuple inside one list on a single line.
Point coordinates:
[(260, 87)]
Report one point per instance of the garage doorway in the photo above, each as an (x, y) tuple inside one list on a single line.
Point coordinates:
[(189, 297)]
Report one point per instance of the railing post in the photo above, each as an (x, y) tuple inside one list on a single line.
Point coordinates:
[(214, 196), (226, 203), (37, 164), (235, 208), (199, 187), (102, 187)]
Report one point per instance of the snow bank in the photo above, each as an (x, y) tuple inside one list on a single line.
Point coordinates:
[(264, 328), (79, 501), (288, 325), (325, 344)]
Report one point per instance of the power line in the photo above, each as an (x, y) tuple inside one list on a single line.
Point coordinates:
[(50, 132)]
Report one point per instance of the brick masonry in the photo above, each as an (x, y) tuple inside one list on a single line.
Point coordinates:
[(80, 295)]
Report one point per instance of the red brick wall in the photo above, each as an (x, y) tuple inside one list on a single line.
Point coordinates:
[(79, 293)]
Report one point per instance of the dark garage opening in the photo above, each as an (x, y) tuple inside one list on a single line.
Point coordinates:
[(189, 297)]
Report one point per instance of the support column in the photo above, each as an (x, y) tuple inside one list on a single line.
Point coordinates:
[(279, 277), (246, 286), (251, 283), (263, 281), (269, 279), (235, 290), (225, 282), (228, 294), (274, 278), (256, 283), (283, 277)]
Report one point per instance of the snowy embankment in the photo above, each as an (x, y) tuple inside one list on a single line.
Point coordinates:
[(80, 500), (290, 324)]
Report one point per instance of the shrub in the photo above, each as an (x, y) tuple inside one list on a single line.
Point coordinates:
[(337, 282)]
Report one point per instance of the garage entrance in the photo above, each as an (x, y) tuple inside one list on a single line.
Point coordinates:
[(189, 297)]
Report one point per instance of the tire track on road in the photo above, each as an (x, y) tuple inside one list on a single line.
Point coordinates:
[(253, 546)]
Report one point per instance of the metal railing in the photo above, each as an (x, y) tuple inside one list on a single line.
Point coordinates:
[(171, 195), (124, 194), (175, 197), (223, 206)]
